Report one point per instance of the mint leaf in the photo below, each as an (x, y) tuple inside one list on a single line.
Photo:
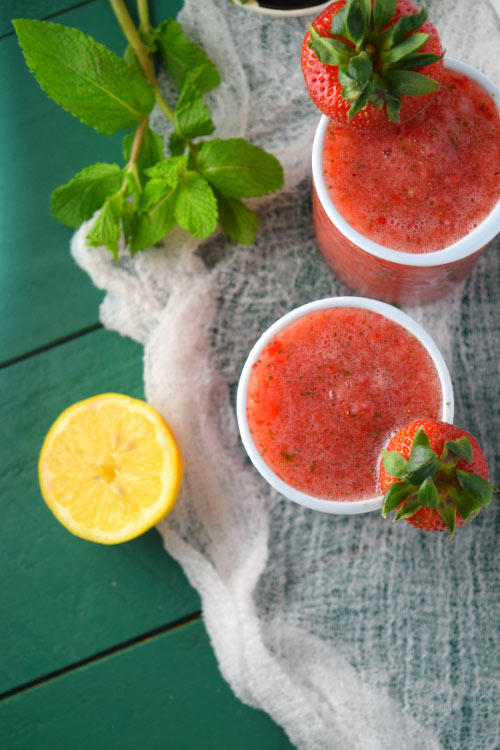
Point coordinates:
[(153, 192), (236, 220), (164, 176), (128, 215), (106, 230), (176, 145), (180, 56), (151, 149), (83, 195), (168, 169), (149, 228), (83, 76), (131, 58), (195, 205), (238, 169), (192, 116)]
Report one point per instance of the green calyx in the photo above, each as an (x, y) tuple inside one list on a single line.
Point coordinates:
[(427, 480), (376, 65)]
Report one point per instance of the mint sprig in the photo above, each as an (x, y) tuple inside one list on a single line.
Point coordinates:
[(199, 186), (435, 482)]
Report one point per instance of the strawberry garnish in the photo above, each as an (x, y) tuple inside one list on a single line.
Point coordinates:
[(368, 63), (435, 476)]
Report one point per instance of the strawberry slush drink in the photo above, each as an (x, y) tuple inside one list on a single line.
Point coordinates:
[(327, 392), (406, 169), (420, 187)]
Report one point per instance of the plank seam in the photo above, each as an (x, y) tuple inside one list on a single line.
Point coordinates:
[(51, 345), (182, 621), (53, 15)]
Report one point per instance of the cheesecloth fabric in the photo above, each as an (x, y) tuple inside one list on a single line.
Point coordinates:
[(353, 634)]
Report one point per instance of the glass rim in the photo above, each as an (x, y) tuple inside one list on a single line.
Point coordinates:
[(282, 12), (340, 507)]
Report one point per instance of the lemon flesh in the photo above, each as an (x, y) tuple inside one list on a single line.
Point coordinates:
[(109, 468)]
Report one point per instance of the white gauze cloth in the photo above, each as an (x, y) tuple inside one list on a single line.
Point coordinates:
[(353, 634)]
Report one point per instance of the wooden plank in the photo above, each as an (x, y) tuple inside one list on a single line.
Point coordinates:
[(63, 599), (44, 294), (43, 9), (28, 9), (165, 693)]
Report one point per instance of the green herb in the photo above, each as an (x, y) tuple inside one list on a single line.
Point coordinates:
[(198, 186)]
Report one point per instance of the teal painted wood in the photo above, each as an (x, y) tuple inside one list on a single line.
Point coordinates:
[(165, 693), (43, 295), (28, 9), (63, 599), (44, 9)]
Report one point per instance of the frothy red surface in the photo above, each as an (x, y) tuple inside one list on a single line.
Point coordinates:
[(327, 393), (426, 184)]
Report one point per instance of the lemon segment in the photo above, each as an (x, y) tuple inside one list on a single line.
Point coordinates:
[(109, 468)]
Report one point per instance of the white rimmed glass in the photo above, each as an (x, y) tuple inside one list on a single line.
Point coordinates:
[(392, 313), (281, 12), (392, 275)]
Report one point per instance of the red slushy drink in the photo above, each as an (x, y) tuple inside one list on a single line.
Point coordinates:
[(327, 392)]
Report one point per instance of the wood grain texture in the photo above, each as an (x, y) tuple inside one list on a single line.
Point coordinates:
[(164, 693), (44, 296), (63, 599)]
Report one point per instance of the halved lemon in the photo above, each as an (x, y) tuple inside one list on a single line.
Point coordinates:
[(109, 468)]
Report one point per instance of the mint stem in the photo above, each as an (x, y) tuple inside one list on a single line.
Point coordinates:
[(135, 150), (134, 39), (142, 52), (143, 10)]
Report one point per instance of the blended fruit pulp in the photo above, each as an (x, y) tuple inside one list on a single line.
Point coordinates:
[(424, 185), (329, 390)]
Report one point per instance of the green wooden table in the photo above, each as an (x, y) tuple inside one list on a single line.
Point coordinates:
[(102, 647)]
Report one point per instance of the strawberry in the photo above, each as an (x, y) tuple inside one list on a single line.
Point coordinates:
[(435, 475), (359, 60)]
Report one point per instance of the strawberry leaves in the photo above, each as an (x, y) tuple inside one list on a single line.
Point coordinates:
[(197, 187), (376, 62), (426, 480), (383, 12)]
